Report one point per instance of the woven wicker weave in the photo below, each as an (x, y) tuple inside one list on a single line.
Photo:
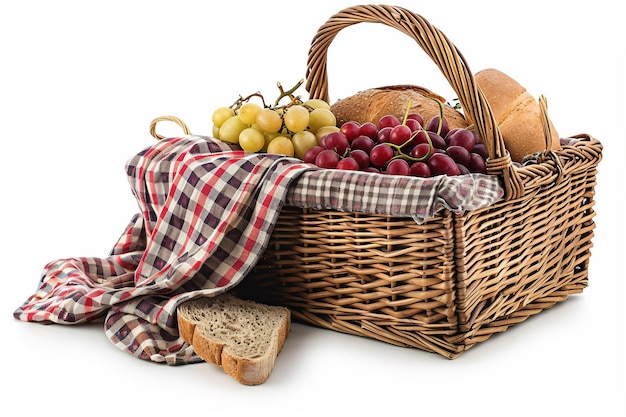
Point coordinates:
[(452, 282)]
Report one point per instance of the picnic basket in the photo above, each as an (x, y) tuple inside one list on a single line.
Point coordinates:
[(456, 279)]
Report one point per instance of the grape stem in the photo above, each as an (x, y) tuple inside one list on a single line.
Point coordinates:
[(242, 100), (402, 155), (288, 93), (406, 113), (440, 114)]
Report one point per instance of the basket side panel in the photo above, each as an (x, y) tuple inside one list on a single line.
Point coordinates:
[(520, 257), (382, 277)]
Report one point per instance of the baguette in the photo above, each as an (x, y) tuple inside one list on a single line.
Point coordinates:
[(243, 337), (516, 112)]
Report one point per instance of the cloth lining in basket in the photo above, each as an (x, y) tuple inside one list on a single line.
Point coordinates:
[(393, 195), (207, 211)]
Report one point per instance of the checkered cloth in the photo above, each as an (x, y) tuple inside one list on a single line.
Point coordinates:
[(393, 195), (207, 210)]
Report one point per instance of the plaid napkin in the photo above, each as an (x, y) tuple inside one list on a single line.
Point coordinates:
[(207, 210)]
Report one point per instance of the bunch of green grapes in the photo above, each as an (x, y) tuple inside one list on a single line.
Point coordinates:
[(288, 129)]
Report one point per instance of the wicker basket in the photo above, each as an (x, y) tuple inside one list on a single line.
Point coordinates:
[(456, 279)]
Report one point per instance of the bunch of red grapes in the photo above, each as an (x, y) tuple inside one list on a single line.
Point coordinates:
[(401, 148)]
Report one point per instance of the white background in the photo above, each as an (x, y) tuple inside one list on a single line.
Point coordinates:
[(80, 83)]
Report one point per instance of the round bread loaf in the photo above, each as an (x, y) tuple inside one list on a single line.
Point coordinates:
[(372, 104), (516, 112)]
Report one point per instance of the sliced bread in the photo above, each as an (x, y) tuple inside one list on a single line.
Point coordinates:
[(243, 337)]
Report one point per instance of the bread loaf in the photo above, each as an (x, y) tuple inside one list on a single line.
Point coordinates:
[(516, 112), (241, 336), (371, 104)]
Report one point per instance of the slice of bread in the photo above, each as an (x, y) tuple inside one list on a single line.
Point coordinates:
[(243, 337)]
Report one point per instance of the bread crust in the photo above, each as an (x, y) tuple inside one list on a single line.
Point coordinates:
[(198, 317), (516, 112), (371, 104)]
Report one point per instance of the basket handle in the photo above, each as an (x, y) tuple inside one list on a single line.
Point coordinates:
[(444, 54), (174, 119)]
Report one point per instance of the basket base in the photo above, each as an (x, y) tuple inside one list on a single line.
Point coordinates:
[(402, 333)]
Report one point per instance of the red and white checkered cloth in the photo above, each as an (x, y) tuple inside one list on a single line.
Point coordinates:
[(207, 213)]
